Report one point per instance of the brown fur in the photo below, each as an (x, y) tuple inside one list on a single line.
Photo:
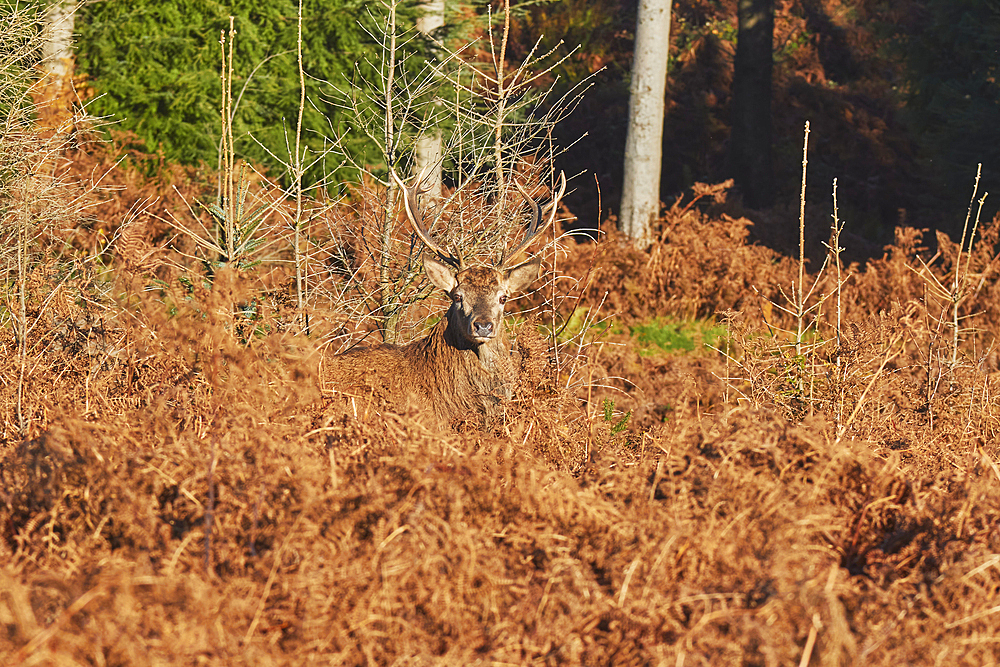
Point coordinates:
[(462, 368)]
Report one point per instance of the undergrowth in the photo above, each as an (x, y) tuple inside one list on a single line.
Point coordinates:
[(181, 480), (819, 485)]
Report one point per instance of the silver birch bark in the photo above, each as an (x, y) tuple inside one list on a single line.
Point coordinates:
[(427, 152), (640, 204), (57, 62)]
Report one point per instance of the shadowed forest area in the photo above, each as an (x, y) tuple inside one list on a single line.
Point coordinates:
[(728, 448), (898, 95), (901, 96)]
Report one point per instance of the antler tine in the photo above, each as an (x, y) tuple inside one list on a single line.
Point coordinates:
[(416, 217), (535, 227)]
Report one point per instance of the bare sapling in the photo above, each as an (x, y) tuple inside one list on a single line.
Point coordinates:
[(963, 283), (464, 365), (948, 301), (802, 305), (834, 248), (241, 230), (806, 376)]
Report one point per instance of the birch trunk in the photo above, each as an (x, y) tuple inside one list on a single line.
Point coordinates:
[(56, 99), (640, 204), (427, 152)]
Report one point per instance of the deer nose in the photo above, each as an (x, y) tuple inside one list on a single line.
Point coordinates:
[(482, 328)]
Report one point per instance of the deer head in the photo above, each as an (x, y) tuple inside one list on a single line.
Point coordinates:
[(478, 293)]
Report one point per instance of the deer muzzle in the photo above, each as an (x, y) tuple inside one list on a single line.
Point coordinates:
[(482, 329)]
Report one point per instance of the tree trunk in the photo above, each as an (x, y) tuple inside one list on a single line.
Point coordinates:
[(427, 152), (640, 205), (55, 99), (750, 144)]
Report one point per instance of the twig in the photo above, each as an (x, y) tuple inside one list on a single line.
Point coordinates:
[(861, 400), (802, 241), (270, 582)]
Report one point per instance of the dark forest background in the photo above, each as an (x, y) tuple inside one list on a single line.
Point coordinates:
[(901, 95)]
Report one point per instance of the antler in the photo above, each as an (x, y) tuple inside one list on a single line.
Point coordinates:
[(416, 217), (535, 227)]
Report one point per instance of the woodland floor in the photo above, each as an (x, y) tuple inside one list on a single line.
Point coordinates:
[(176, 486)]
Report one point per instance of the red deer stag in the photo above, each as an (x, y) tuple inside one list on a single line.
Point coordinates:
[(464, 365)]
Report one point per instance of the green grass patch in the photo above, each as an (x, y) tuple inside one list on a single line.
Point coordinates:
[(662, 335), (667, 336)]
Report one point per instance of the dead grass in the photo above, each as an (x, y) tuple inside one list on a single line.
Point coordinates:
[(186, 494)]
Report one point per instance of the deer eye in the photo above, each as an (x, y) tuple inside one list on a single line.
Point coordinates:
[(503, 299), (457, 298)]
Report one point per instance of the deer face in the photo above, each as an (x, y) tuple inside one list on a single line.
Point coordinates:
[(478, 295)]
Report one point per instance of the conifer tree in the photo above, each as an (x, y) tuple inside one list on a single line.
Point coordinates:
[(156, 66)]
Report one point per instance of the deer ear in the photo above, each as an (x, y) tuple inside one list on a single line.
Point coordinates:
[(440, 274), (523, 274)]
